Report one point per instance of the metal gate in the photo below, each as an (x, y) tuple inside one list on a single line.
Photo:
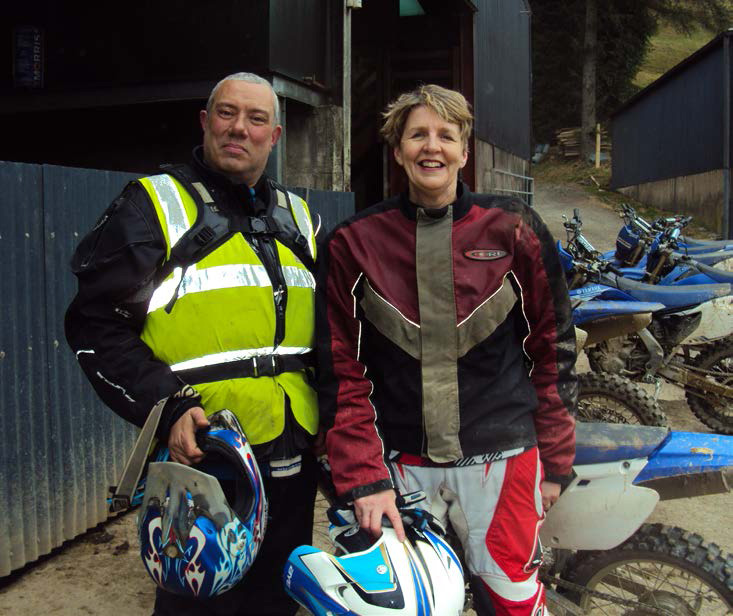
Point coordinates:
[(60, 447), (514, 184)]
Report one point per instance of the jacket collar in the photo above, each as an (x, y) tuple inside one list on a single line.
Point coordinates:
[(460, 206), (225, 191)]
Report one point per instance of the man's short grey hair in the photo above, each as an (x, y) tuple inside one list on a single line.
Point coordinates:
[(249, 78)]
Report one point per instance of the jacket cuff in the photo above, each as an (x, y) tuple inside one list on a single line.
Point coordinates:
[(172, 412), (368, 490), (563, 480)]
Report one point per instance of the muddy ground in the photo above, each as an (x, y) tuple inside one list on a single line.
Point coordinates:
[(101, 574)]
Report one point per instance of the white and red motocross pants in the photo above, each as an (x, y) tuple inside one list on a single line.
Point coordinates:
[(496, 510)]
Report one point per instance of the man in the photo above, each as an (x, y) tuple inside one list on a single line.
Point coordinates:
[(194, 287)]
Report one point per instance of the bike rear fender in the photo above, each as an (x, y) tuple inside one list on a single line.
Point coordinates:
[(601, 507)]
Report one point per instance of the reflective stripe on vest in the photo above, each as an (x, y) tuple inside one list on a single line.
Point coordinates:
[(303, 220), (224, 277), (173, 209), (229, 356)]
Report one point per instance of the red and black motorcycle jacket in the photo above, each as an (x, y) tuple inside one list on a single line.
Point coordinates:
[(446, 334)]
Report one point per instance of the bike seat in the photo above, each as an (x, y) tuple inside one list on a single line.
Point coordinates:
[(596, 443), (718, 275), (708, 258), (602, 309), (708, 245), (672, 296)]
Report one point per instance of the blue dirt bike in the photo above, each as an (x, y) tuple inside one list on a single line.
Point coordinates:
[(599, 556), (687, 343)]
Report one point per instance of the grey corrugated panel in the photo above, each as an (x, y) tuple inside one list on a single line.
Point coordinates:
[(503, 74), (675, 129), (93, 442), (332, 207), (61, 447), (22, 367)]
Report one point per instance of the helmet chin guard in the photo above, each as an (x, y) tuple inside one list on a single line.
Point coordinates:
[(420, 577), (201, 527)]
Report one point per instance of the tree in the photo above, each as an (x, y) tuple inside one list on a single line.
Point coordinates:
[(571, 76), (590, 62), (684, 15), (558, 30)]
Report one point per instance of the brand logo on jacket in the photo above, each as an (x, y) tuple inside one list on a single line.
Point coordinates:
[(485, 254)]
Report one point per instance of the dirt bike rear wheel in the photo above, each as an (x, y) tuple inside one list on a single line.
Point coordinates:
[(714, 411), (615, 399), (663, 567)]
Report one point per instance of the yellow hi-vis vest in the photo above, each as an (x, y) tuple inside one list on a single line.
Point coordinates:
[(225, 311)]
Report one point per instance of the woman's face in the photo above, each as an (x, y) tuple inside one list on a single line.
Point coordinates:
[(431, 152)]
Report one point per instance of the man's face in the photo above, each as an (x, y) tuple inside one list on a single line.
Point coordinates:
[(240, 130)]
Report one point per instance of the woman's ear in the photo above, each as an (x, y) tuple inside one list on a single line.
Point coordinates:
[(398, 155)]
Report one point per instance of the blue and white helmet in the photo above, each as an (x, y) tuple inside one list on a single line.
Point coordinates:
[(201, 527), (420, 577)]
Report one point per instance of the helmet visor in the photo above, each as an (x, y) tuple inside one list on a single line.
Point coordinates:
[(183, 494)]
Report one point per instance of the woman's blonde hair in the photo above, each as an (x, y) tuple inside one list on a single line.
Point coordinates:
[(450, 105)]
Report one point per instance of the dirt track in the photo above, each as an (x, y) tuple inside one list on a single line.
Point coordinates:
[(101, 574)]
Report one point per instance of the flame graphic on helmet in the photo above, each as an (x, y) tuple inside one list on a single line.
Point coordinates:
[(151, 559), (194, 571)]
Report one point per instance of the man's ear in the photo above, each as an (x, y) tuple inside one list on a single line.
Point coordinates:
[(276, 132), (202, 118), (465, 158)]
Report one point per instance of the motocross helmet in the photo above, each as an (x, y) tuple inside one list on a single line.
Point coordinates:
[(201, 527), (419, 577)]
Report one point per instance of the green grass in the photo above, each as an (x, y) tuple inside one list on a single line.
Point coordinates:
[(668, 48)]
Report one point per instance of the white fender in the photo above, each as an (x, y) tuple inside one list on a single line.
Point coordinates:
[(600, 508), (716, 320)]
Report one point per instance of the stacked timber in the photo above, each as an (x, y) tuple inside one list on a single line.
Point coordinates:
[(568, 142)]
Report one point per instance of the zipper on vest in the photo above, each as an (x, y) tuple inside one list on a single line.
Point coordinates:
[(271, 262), (266, 250)]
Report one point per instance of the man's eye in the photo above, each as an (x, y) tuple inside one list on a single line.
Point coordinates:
[(259, 119), (226, 113), (448, 137)]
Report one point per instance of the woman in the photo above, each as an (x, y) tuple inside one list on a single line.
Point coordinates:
[(446, 356)]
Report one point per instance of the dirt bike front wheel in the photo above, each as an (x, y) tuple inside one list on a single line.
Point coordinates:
[(661, 567), (615, 399), (714, 411)]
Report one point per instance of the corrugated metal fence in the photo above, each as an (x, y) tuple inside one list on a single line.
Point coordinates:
[(59, 446)]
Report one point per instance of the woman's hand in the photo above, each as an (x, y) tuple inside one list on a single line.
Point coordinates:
[(369, 511)]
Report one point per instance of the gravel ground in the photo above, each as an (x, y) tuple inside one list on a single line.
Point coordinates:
[(100, 573)]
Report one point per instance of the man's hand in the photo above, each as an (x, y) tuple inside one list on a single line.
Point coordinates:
[(182, 438), (369, 511), (550, 493)]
